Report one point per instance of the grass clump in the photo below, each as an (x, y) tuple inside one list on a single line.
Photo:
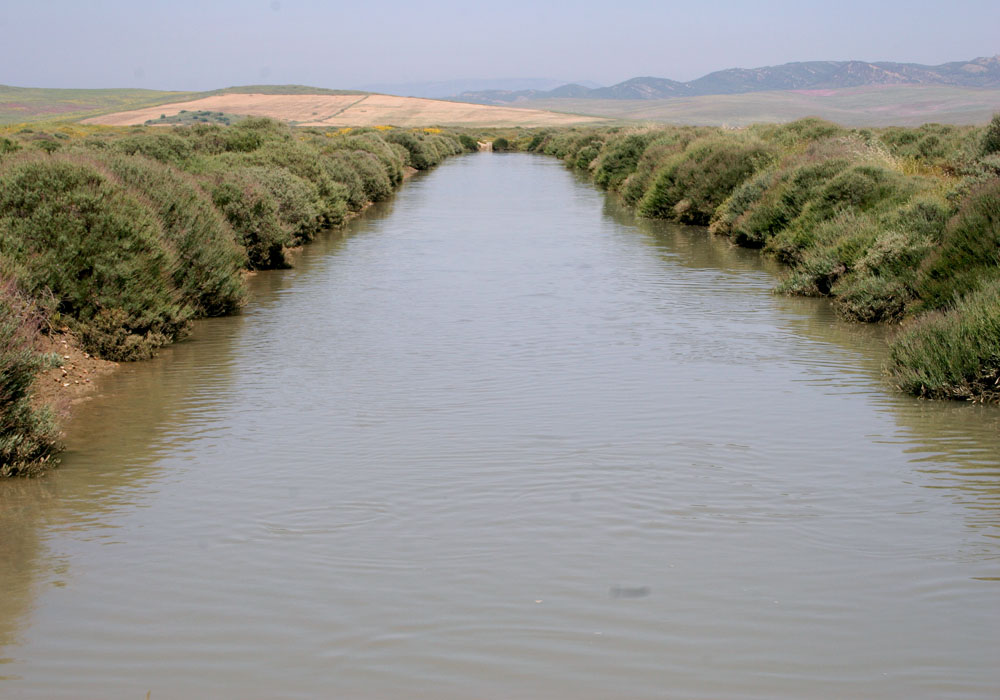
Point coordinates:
[(953, 354), (968, 252)]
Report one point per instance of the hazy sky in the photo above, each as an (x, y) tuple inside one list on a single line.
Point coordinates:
[(198, 45)]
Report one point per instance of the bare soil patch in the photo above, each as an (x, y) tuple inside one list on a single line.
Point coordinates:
[(64, 387)]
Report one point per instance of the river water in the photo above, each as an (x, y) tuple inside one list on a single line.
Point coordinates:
[(500, 440)]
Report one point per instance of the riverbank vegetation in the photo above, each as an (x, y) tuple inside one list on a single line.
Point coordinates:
[(124, 236), (897, 225)]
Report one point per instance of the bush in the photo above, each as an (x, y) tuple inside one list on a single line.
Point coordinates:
[(162, 146), (858, 188), (28, 436), (692, 185), (619, 159), (766, 204), (8, 146), (252, 211), (658, 152), (76, 236), (375, 181), (393, 160), (881, 285), (207, 275), (969, 251), (955, 354), (468, 143), (796, 133), (991, 138), (501, 144), (299, 205), (425, 150)]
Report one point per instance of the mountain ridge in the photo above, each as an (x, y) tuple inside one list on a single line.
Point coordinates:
[(982, 72)]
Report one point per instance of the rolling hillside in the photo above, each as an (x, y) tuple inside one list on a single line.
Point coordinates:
[(351, 110)]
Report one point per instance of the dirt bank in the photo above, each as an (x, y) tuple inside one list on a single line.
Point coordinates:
[(64, 388)]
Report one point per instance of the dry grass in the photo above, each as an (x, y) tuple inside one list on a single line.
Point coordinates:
[(352, 110)]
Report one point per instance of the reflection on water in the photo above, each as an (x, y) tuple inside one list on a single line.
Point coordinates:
[(503, 440)]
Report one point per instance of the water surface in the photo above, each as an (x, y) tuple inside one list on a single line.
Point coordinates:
[(500, 440)]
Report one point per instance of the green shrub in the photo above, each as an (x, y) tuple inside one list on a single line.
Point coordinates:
[(536, 141), (881, 283), (74, 235), (796, 133), (692, 185), (991, 137), (393, 160), (501, 144), (423, 149), (252, 211), (664, 145), (969, 251), (339, 167), (858, 188), (374, 179), (585, 156), (28, 436), (468, 143), (954, 354), (772, 200), (47, 145), (299, 205), (159, 145), (209, 261), (619, 159), (8, 146), (304, 160)]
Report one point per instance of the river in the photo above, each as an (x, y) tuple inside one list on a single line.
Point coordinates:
[(501, 440)]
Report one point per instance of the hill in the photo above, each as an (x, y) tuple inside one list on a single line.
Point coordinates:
[(810, 75), (18, 104), (347, 109)]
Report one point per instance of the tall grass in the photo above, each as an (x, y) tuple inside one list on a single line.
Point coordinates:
[(953, 354)]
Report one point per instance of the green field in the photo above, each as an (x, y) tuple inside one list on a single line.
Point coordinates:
[(21, 105), (894, 105)]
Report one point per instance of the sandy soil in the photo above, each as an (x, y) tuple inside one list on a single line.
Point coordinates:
[(64, 387), (353, 110)]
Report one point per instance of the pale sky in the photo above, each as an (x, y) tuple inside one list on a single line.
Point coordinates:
[(202, 45)]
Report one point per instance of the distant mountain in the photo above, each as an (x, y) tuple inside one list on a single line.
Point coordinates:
[(810, 75), (642, 89)]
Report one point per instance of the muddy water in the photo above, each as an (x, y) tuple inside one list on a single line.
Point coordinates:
[(502, 441)]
